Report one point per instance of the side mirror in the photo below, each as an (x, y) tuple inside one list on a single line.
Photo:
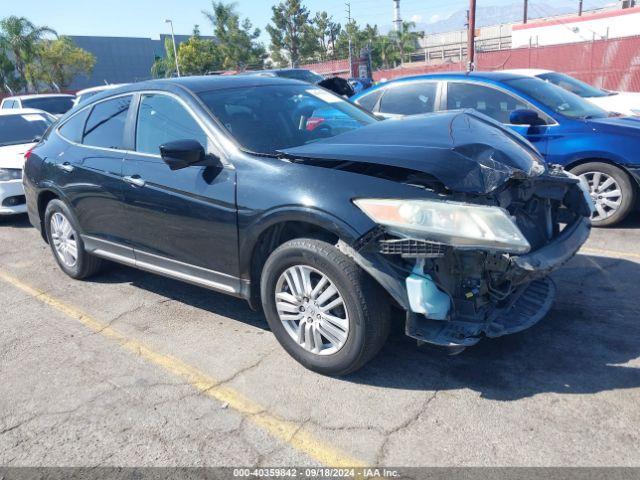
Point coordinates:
[(525, 117), (183, 153)]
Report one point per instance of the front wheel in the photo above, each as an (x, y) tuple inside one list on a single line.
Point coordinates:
[(325, 311), (611, 191)]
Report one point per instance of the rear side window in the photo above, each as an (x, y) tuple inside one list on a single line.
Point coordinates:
[(369, 101), (105, 125), (410, 99), (73, 129), (163, 119)]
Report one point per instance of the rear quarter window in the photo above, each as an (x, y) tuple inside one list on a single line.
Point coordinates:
[(74, 127), (369, 101)]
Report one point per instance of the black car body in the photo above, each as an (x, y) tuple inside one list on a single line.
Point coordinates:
[(334, 83), (236, 203)]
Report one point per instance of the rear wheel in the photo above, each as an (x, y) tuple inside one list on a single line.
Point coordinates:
[(66, 244), (322, 307), (611, 191)]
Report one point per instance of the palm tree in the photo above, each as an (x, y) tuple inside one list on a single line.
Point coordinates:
[(406, 39), (20, 37)]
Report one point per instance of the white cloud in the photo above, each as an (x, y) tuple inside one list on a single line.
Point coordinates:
[(416, 18), (434, 18)]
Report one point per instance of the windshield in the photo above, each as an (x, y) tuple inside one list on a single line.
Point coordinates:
[(269, 118), (18, 129), (54, 105), (557, 99), (573, 85), (304, 75)]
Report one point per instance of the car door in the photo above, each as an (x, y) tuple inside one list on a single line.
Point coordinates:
[(90, 169), (497, 104), (181, 221), (408, 98)]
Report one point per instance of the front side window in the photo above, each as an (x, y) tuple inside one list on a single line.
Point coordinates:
[(557, 99), (18, 129), (490, 101), (265, 119), (409, 99), (163, 119), (106, 122)]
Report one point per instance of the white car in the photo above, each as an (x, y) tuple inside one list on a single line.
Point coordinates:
[(625, 103), (19, 130), (82, 95), (56, 104)]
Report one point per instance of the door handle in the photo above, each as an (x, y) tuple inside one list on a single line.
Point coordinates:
[(135, 181), (66, 167)]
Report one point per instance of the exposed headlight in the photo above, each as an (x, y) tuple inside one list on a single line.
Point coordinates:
[(10, 174), (457, 224)]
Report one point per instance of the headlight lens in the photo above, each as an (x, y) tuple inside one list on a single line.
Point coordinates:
[(10, 174), (457, 224)]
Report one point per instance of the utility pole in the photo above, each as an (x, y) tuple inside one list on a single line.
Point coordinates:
[(471, 25), (175, 50), (397, 19), (525, 13), (348, 10), (580, 8)]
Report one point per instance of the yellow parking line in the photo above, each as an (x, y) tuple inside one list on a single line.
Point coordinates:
[(289, 432), (610, 253)]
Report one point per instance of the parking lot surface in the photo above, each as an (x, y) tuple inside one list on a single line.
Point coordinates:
[(132, 369)]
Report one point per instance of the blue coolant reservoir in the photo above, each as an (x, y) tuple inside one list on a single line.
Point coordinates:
[(424, 296)]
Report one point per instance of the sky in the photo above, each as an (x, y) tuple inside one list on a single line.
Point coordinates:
[(145, 18)]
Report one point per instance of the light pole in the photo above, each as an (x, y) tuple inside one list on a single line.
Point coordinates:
[(175, 50)]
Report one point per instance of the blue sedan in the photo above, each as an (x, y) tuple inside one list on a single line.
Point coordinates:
[(565, 128)]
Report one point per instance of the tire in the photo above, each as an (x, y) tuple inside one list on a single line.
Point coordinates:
[(365, 305), (85, 264), (627, 191)]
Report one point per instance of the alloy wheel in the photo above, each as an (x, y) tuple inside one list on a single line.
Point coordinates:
[(312, 310), (64, 240), (605, 193)]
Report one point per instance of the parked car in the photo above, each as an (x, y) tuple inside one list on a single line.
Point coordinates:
[(20, 129), (217, 181), (82, 95), (564, 127), (54, 103), (335, 84), (624, 103)]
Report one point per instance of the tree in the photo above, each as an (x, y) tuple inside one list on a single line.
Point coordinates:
[(237, 41), (292, 38), (20, 37), (326, 31), (8, 81), (165, 67), (406, 40), (57, 62), (197, 55)]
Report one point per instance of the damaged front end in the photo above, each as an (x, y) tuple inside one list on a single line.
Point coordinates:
[(468, 251), (455, 293)]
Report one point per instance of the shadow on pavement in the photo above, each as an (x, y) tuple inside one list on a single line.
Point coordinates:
[(15, 221), (577, 348)]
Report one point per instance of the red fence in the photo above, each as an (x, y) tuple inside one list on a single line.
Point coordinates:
[(613, 64)]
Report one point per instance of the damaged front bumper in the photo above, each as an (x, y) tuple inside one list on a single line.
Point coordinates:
[(484, 294)]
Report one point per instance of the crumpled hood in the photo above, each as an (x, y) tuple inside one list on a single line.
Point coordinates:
[(464, 150)]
